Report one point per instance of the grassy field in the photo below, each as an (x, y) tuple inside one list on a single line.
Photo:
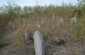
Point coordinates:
[(62, 28)]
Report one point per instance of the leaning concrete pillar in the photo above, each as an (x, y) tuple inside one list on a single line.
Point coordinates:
[(38, 43)]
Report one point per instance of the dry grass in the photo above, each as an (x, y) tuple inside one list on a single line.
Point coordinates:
[(60, 35)]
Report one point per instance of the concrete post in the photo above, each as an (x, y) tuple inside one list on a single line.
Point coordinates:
[(38, 43)]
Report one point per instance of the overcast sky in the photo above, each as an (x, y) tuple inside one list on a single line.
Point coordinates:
[(38, 2)]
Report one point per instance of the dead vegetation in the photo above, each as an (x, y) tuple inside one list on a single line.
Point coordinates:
[(62, 35)]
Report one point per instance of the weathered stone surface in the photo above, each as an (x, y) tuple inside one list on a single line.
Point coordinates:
[(38, 43)]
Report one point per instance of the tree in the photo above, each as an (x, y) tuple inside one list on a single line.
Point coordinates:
[(81, 6), (18, 11), (81, 2)]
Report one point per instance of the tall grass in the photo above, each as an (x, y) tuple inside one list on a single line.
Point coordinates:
[(47, 20)]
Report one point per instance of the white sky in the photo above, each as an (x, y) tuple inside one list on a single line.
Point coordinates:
[(39, 2)]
